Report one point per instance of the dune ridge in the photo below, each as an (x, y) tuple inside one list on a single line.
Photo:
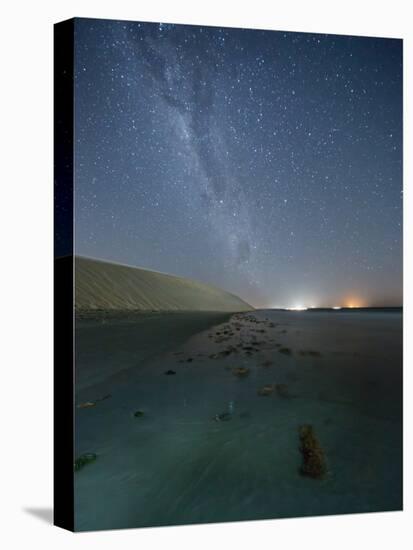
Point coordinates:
[(105, 285)]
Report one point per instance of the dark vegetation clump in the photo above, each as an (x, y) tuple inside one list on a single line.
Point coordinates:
[(138, 414), (314, 464), (84, 459), (169, 372)]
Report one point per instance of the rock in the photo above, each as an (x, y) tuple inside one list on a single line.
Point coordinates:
[(313, 464), (84, 459), (285, 351), (169, 372), (138, 414)]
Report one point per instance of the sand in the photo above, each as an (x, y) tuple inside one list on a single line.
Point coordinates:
[(202, 444), (102, 285)]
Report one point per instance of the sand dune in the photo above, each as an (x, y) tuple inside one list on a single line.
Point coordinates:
[(104, 285)]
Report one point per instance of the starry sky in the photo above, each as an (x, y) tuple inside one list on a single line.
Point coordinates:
[(266, 163)]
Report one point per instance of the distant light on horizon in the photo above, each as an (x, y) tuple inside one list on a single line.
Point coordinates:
[(352, 305)]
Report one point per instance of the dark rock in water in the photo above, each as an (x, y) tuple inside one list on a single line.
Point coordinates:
[(170, 372), (189, 360), (285, 351), (84, 459), (138, 414), (314, 464), (223, 417)]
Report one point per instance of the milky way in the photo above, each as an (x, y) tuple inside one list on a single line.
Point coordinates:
[(266, 163)]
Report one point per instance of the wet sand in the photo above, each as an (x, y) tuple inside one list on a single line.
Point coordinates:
[(217, 438)]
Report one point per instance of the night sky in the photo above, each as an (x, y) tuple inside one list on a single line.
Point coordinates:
[(265, 163)]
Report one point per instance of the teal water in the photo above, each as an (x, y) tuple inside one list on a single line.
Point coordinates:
[(177, 465)]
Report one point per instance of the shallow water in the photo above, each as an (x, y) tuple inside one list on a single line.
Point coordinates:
[(177, 465)]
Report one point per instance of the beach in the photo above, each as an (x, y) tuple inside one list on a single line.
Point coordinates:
[(195, 417)]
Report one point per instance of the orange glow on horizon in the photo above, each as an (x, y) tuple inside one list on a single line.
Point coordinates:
[(354, 303)]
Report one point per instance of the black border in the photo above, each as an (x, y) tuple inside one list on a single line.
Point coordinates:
[(63, 275)]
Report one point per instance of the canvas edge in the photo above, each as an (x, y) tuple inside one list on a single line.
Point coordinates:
[(63, 354)]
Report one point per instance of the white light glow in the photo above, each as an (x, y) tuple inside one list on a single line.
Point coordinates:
[(296, 308)]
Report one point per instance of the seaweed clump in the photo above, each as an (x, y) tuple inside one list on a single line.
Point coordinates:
[(314, 464), (84, 459), (267, 390), (241, 372)]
